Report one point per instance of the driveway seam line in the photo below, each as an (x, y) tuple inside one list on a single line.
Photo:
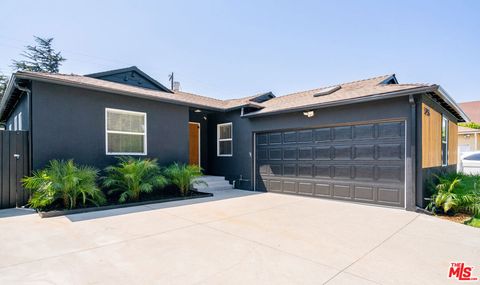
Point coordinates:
[(371, 250)]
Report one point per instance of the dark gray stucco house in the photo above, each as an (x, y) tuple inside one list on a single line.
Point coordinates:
[(373, 141)]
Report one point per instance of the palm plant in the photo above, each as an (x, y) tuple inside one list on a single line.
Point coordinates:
[(184, 176), (456, 193), (133, 176), (66, 182)]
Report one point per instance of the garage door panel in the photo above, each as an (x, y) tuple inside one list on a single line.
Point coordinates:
[(364, 132), (305, 188), (390, 151), (322, 135), (391, 130), (290, 137), (341, 191), (364, 152), (364, 162), (290, 153), (364, 172), (323, 190), (342, 152), (323, 153), (389, 195), (305, 170), (364, 193), (305, 153), (305, 136), (289, 186)]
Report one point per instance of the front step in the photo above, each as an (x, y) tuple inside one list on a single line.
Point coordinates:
[(214, 182)]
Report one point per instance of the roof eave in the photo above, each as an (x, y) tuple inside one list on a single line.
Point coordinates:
[(7, 94), (104, 89), (347, 101), (444, 95)]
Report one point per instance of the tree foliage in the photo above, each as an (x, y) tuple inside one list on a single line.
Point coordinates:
[(41, 57), (471, 125), (3, 85)]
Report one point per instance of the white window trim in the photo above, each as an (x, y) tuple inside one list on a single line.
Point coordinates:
[(126, 133), (223, 140), (447, 125)]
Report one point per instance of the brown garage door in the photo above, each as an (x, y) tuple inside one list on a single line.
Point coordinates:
[(363, 163)]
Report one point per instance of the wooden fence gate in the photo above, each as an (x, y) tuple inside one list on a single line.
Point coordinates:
[(14, 165)]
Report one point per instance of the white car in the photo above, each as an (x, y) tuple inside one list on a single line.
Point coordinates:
[(470, 163)]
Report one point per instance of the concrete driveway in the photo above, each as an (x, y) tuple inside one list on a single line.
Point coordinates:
[(236, 237)]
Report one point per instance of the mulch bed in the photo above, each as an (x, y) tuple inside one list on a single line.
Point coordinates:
[(168, 194), (457, 218)]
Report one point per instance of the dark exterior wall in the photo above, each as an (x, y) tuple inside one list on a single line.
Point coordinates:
[(242, 164), (69, 122), (21, 107), (204, 138)]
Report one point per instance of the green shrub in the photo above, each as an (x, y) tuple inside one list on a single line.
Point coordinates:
[(65, 182), (184, 176), (456, 192), (471, 125), (474, 222), (133, 176)]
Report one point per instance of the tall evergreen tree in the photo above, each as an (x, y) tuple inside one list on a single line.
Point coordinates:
[(3, 85), (40, 57)]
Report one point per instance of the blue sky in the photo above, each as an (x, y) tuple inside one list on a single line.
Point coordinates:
[(228, 49)]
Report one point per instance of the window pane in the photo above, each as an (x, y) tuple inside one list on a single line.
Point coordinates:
[(444, 153), (444, 129), (225, 147), (125, 122), (125, 143), (226, 132)]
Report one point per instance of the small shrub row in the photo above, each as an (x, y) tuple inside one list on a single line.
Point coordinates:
[(456, 193), (64, 184)]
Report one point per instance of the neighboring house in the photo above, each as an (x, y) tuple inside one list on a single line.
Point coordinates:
[(373, 141), (468, 138)]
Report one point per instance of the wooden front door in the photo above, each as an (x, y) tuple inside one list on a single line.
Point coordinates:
[(194, 132)]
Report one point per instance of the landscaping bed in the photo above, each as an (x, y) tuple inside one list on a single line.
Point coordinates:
[(64, 187), (456, 197), (113, 205)]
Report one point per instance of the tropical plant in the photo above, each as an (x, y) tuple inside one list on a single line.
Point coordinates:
[(65, 182), (184, 176), (133, 176), (456, 192)]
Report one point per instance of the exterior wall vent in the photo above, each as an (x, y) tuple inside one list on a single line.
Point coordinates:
[(327, 91)]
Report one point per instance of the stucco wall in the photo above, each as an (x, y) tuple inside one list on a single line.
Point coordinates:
[(69, 122)]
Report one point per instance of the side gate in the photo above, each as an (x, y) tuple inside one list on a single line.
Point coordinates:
[(14, 165)]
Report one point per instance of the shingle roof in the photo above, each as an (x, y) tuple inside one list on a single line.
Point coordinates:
[(349, 92), (472, 109), (178, 96)]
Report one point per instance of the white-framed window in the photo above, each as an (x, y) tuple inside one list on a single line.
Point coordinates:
[(444, 141), (125, 132), (225, 139)]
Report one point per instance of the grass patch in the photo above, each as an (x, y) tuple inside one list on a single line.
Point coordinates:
[(474, 222)]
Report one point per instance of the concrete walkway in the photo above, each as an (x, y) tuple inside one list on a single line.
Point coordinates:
[(236, 237)]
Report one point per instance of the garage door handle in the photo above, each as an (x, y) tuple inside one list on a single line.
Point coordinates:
[(17, 156)]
